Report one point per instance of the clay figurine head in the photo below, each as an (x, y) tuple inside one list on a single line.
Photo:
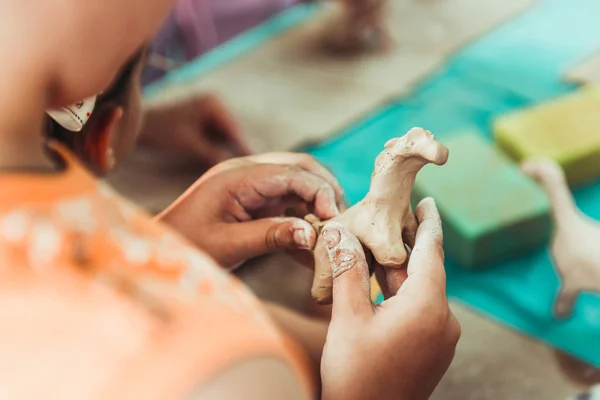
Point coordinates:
[(420, 143), (413, 150)]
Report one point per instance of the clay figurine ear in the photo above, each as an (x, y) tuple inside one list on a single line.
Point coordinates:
[(98, 149), (437, 154), (391, 143)]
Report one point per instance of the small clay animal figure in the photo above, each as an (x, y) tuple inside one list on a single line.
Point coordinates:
[(576, 243), (383, 221), (362, 27)]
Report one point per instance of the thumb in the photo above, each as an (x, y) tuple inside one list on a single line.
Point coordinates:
[(251, 239), (351, 283)]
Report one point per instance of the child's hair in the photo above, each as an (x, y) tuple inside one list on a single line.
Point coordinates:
[(116, 95)]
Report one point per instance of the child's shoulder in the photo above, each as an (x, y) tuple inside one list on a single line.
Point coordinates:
[(71, 221), (72, 235)]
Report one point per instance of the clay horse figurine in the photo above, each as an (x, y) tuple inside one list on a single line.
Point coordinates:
[(383, 221)]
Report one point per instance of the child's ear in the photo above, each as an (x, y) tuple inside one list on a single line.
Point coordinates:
[(97, 147)]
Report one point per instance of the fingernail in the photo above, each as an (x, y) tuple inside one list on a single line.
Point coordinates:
[(301, 238)]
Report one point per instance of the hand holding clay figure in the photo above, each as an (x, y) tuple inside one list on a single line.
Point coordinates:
[(574, 248), (198, 127), (383, 221), (236, 213), (401, 348)]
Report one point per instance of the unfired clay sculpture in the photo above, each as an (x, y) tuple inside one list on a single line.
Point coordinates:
[(575, 246), (383, 221)]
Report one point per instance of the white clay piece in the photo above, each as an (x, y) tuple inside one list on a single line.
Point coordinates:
[(575, 244), (383, 221)]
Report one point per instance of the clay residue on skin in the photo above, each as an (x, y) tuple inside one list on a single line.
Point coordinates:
[(290, 181), (304, 234), (384, 219), (428, 209), (343, 250), (315, 221)]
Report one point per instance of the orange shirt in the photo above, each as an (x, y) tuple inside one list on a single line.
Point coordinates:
[(97, 300)]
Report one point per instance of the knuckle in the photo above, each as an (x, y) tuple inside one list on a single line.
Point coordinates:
[(306, 159), (437, 318), (454, 330), (291, 168)]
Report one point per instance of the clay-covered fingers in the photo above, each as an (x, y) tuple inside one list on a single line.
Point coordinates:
[(426, 273), (303, 161), (260, 184), (254, 238), (351, 283)]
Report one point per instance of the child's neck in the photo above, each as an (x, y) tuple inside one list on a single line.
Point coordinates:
[(21, 131), (24, 153)]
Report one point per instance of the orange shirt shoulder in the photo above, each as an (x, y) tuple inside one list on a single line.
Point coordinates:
[(95, 292)]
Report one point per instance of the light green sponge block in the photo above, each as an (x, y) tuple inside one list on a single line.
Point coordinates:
[(565, 129), (490, 210)]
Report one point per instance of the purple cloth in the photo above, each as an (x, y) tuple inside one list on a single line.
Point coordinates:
[(197, 26)]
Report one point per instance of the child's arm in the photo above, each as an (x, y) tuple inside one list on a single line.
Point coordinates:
[(199, 127), (308, 332)]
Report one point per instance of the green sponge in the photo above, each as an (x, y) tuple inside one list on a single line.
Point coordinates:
[(565, 129), (490, 210)]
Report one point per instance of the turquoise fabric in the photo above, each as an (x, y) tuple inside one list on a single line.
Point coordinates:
[(514, 66)]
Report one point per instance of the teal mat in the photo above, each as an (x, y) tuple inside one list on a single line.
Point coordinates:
[(514, 66)]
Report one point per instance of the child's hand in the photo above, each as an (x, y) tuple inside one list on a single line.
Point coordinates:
[(235, 214), (300, 160), (198, 127), (401, 348)]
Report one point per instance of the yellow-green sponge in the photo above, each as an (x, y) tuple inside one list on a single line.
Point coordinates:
[(565, 129)]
